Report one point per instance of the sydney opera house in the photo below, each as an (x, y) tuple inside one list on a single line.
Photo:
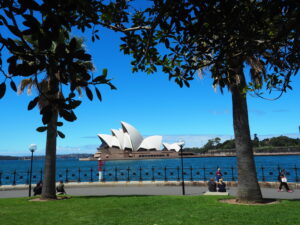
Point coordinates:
[(128, 143)]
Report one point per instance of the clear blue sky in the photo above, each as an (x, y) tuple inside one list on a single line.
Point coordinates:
[(151, 103)]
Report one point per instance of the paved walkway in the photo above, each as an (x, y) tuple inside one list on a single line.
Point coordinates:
[(97, 190)]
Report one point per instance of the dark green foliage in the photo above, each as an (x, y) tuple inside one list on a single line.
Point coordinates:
[(89, 93), (98, 94), (60, 134), (228, 144), (265, 145), (13, 85), (43, 46), (33, 103), (218, 35), (2, 89), (280, 141), (41, 129)]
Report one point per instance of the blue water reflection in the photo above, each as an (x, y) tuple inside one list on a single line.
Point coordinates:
[(17, 171)]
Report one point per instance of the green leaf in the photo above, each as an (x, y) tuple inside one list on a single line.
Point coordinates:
[(47, 114), (100, 79), (13, 86), (41, 129), (186, 83), (98, 94), (33, 103), (68, 116), (74, 104), (89, 93), (104, 72), (73, 44), (2, 89), (112, 87), (167, 43), (71, 95), (60, 134)]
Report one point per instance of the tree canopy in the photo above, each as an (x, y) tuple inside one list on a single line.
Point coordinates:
[(214, 35), (224, 37), (36, 37)]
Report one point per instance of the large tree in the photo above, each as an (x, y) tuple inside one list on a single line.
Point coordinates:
[(227, 38), (36, 43)]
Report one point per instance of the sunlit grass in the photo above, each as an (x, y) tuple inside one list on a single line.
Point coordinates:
[(144, 210)]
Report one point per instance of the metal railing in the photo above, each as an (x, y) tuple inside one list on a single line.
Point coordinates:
[(115, 174)]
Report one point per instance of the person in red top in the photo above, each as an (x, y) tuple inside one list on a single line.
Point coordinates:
[(218, 175)]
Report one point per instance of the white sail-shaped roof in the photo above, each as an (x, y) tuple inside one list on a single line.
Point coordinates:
[(152, 142), (135, 137), (107, 139), (120, 136), (127, 142), (166, 146), (128, 137), (115, 142), (174, 146)]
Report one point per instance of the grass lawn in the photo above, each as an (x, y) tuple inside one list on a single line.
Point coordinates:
[(144, 210)]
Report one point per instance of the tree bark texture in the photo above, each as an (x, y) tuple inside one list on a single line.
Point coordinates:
[(248, 187), (49, 189)]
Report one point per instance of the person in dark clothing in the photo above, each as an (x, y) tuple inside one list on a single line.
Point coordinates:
[(37, 190), (283, 181), (212, 186), (60, 188), (221, 186)]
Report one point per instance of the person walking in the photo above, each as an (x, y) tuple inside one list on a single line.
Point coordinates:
[(283, 181)]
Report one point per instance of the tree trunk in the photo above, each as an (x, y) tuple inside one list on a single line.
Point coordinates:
[(248, 187), (49, 191)]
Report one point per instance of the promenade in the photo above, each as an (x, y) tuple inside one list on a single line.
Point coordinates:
[(146, 188)]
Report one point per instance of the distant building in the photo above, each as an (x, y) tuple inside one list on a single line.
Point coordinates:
[(127, 142), (129, 138)]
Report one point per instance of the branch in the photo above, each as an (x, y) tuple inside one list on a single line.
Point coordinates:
[(3, 72), (116, 28), (270, 99)]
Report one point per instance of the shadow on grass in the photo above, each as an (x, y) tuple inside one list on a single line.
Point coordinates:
[(294, 200)]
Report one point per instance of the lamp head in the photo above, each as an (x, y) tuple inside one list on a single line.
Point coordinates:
[(32, 147)]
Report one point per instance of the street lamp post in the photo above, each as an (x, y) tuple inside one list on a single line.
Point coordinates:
[(32, 148), (181, 144)]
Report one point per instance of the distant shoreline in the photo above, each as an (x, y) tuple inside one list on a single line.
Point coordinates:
[(83, 157), (224, 154), (228, 154)]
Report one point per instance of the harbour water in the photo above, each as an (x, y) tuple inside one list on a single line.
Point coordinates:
[(17, 171)]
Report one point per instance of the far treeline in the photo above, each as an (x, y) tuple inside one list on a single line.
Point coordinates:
[(274, 144)]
